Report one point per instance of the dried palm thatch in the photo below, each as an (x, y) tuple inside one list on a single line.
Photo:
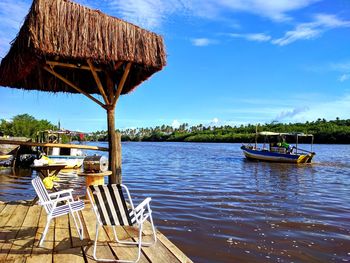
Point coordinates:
[(66, 32)]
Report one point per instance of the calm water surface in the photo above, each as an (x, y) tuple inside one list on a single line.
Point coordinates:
[(218, 207)]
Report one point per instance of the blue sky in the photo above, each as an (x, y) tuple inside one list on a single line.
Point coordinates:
[(229, 62)]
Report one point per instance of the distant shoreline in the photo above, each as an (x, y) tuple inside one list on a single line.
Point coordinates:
[(325, 132)]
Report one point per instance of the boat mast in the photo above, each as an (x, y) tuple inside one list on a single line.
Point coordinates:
[(296, 149), (256, 136)]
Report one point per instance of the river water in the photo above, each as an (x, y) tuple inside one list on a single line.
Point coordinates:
[(218, 207)]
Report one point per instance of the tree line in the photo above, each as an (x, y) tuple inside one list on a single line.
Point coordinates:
[(24, 125), (332, 131)]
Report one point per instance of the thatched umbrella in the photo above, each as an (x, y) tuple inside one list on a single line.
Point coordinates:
[(66, 47)]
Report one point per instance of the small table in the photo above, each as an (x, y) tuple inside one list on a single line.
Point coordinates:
[(48, 169), (94, 178)]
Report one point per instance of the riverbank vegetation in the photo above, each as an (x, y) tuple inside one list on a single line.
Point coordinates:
[(24, 125), (332, 131)]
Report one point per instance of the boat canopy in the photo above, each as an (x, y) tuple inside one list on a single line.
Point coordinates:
[(299, 134)]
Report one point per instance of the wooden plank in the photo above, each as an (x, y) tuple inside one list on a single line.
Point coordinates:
[(69, 65), (5, 215), (43, 254), (62, 235), (166, 242), (21, 259), (103, 250), (173, 249), (156, 253), (74, 86), (11, 228), (2, 206), (72, 255), (40, 258), (59, 145), (124, 252), (24, 241), (98, 81)]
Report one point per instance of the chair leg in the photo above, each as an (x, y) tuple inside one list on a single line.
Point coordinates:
[(48, 221), (80, 230), (145, 244), (81, 234), (116, 260), (153, 232), (115, 233), (139, 244)]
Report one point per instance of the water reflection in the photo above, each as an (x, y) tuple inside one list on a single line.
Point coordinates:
[(219, 207)]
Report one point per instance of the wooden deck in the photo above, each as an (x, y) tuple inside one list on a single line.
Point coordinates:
[(21, 226)]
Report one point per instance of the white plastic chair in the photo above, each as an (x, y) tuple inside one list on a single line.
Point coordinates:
[(53, 206), (110, 208)]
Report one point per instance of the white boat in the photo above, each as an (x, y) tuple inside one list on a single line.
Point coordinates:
[(71, 157)]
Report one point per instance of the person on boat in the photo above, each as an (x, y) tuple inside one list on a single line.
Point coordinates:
[(285, 145)]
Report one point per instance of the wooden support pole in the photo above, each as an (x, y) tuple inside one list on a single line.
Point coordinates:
[(98, 81), (114, 150), (69, 65), (117, 65), (73, 86), (121, 83)]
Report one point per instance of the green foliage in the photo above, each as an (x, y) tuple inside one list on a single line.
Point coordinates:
[(334, 131), (24, 125)]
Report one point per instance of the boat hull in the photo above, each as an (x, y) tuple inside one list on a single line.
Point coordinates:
[(267, 156), (71, 162)]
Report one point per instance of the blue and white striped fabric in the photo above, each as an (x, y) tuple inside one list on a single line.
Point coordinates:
[(42, 193), (61, 203), (111, 205), (64, 209), (45, 198)]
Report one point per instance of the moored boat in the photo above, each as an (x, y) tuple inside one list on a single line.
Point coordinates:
[(71, 157), (276, 149)]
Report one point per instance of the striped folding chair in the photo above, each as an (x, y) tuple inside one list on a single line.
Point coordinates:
[(57, 204), (110, 208)]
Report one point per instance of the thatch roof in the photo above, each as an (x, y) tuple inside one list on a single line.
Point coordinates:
[(60, 30)]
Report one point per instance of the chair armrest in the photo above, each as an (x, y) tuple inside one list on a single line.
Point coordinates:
[(143, 204), (66, 191), (59, 199)]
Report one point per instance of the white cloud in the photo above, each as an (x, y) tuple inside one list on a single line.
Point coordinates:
[(201, 42), (259, 37), (12, 14), (290, 113), (175, 124), (301, 32), (150, 14), (153, 14), (273, 9), (344, 77), (331, 21), (311, 30), (343, 66), (328, 109)]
